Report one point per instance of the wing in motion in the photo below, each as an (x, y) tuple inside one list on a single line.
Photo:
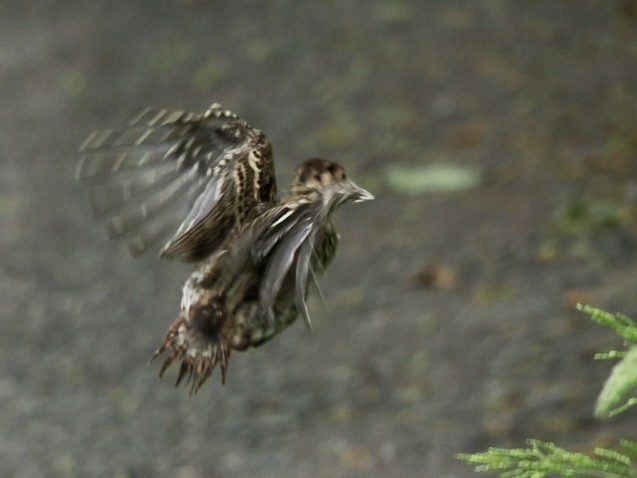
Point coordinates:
[(293, 236), (189, 178)]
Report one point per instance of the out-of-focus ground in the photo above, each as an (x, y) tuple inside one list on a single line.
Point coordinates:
[(449, 323)]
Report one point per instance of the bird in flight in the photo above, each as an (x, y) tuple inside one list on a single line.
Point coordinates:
[(200, 187)]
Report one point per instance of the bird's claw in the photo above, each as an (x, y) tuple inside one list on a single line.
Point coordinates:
[(198, 355)]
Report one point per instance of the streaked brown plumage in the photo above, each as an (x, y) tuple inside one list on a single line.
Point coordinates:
[(213, 174)]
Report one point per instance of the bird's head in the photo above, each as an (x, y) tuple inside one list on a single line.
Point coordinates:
[(322, 179)]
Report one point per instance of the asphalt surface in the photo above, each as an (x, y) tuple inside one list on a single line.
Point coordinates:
[(400, 373)]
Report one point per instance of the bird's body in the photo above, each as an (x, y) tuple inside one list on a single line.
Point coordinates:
[(214, 173)]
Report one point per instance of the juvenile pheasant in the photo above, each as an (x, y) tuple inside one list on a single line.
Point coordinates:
[(213, 174)]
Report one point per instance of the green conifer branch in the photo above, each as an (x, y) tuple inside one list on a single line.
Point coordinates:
[(542, 459), (621, 382), (621, 323)]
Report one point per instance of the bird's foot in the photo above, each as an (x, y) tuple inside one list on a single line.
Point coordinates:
[(198, 352)]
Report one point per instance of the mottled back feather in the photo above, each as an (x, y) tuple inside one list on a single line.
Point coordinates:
[(189, 178)]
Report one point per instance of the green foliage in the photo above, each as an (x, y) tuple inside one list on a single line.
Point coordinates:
[(541, 459), (623, 325), (623, 377), (622, 381)]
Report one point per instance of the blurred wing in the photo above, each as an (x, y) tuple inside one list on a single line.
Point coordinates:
[(177, 176), (283, 239)]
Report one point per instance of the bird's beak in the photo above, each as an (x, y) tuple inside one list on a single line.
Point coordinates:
[(356, 193)]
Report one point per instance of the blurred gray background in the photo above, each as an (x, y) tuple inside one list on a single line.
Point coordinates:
[(449, 322)]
